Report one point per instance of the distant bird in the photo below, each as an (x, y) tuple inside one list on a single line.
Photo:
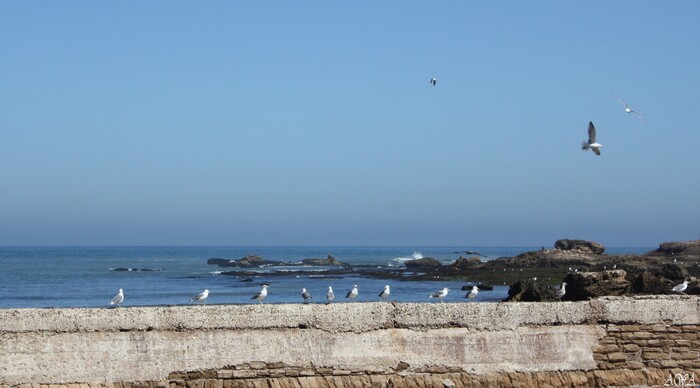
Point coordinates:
[(118, 299), (629, 109), (201, 297), (440, 294), (561, 291), (681, 287), (261, 295), (471, 253), (591, 144), (330, 295), (352, 294), (385, 293), (433, 81), (473, 293), (306, 295)]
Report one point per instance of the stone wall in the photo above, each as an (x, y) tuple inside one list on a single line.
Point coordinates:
[(603, 342)]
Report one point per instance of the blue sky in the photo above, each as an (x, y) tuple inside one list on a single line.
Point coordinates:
[(313, 123)]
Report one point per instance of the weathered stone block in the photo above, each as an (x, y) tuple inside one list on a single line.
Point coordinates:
[(617, 357), (630, 348)]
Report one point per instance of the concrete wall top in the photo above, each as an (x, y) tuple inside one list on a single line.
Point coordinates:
[(356, 317)]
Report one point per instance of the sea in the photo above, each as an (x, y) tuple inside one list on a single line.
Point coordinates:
[(87, 276)]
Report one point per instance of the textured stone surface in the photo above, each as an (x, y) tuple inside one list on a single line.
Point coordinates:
[(606, 341)]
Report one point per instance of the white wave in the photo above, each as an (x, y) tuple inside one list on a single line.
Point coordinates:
[(216, 272), (414, 256)]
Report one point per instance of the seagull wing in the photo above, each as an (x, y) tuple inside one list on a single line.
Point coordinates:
[(117, 299), (591, 133), (596, 150), (622, 102), (640, 117)]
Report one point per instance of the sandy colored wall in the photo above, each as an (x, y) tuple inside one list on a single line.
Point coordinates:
[(160, 346)]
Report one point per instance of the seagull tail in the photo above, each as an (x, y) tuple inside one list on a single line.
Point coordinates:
[(584, 146)]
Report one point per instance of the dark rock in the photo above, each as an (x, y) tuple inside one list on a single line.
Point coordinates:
[(529, 291), (424, 263), (587, 285), (246, 262), (579, 245), (646, 283), (330, 260), (677, 248), (464, 263), (673, 272)]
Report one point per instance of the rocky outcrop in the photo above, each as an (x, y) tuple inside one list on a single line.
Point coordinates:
[(677, 248), (329, 261), (246, 262), (530, 291), (579, 245), (587, 285), (426, 263)]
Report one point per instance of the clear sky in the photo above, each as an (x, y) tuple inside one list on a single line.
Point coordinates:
[(313, 122)]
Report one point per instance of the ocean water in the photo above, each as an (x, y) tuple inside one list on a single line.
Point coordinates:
[(89, 276)]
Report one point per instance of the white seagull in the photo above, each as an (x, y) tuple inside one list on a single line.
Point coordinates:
[(261, 295), (681, 287), (330, 295), (591, 144), (473, 293), (385, 293), (201, 297), (306, 295), (628, 108), (352, 294), (433, 81), (440, 294), (118, 299), (561, 291)]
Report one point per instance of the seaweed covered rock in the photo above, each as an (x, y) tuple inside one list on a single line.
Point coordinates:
[(579, 245), (673, 272), (647, 283), (464, 263), (586, 285)]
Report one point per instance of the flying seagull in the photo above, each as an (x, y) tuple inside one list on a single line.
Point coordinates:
[(385, 293), (118, 299), (473, 293), (433, 81), (261, 295), (591, 144), (471, 253), (352, 294), (629, 109), (561, 291), (201, 297), (681, 287), (306, 295), (440, 294), (330, 295)]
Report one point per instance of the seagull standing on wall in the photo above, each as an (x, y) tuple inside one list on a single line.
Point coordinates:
[(306, 295), (473, 293), (561, 291), (591, 143), (201, 297), (118, 299), (681, 287), (385, 293), (352, 294), (440, 294), (261, 295), (330, 295), (629, 109)]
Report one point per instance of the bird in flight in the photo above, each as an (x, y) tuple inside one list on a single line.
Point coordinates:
[(591, 144), (433, 81), (629, 109), (471, 253)]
